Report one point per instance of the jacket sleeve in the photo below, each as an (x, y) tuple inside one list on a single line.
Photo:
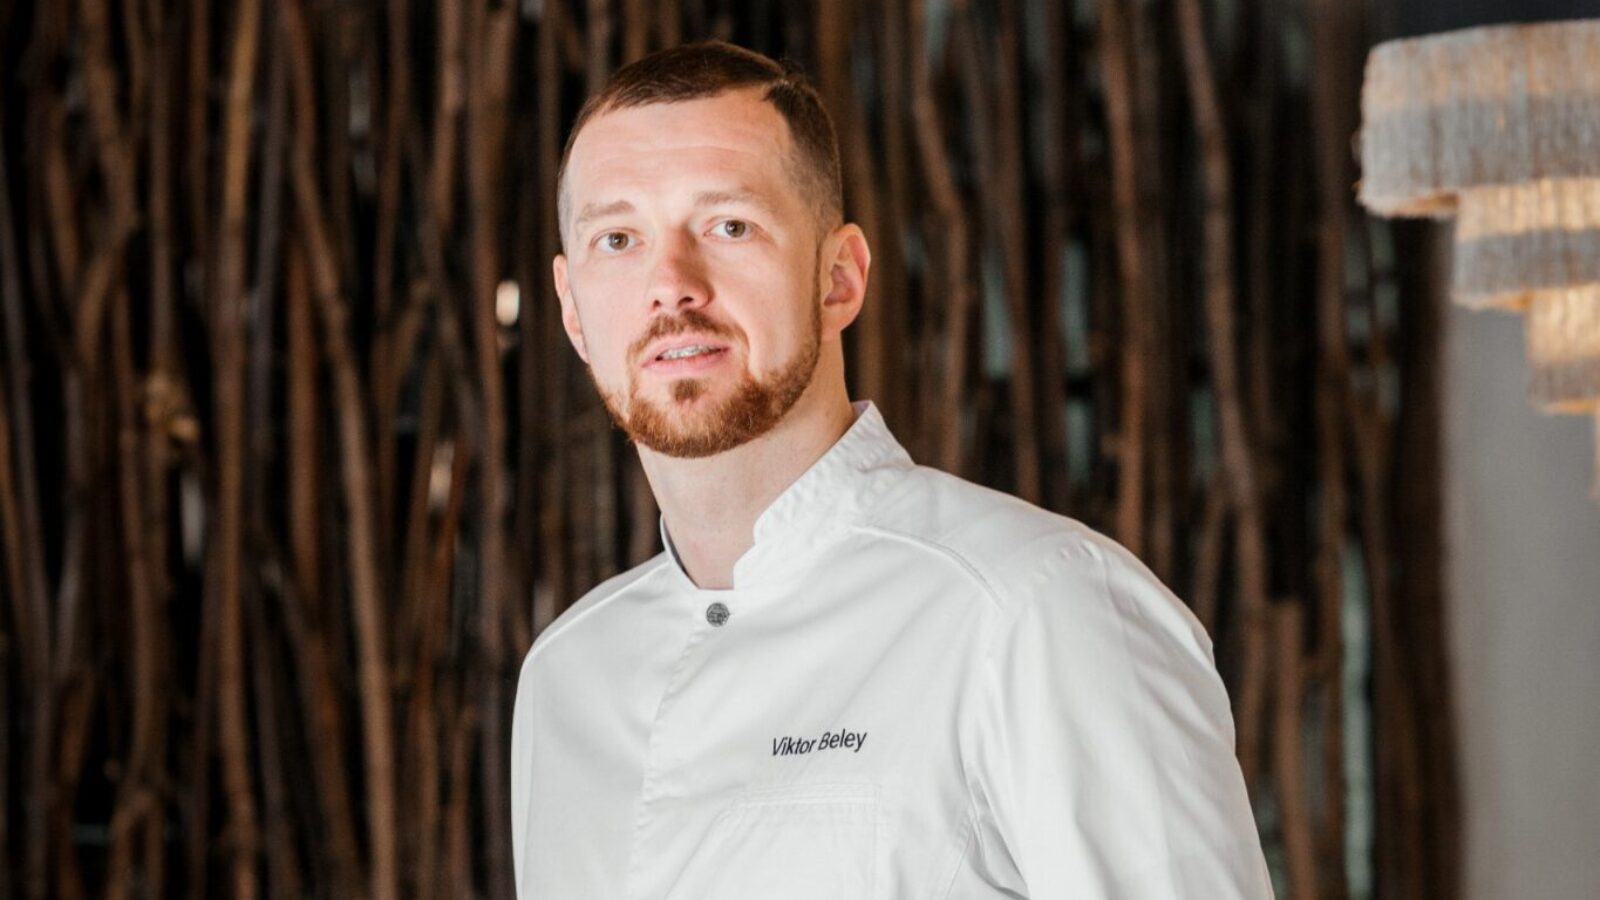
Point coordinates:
[(522, 727), (1099, 742)]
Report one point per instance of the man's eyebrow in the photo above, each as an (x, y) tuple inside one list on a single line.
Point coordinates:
[(741, 195), (596, 210)]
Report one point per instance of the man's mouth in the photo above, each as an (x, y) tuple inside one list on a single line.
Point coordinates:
[(692, 350), (683, 350)]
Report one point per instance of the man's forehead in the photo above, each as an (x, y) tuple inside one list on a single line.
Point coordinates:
[(725, 127), (734, 142)]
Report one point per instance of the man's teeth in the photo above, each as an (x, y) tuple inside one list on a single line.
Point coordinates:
[(682, 352)]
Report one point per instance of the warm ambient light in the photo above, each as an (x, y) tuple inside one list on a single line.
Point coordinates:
[(1564, 349), (1505, 105), (1541, 235), (507, 303)]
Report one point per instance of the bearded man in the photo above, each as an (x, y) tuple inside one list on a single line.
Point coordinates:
[(847, 677)]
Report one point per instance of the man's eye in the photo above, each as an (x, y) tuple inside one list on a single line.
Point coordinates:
[(733, 228), (615, 241)]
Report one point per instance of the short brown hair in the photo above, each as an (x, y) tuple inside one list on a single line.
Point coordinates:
[(708, 68)]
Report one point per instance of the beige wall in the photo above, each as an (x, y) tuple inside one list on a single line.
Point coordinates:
[(1523, 538)]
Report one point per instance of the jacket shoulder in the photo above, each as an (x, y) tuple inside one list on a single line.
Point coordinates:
[(1038, 566), (1009, 544), (571, 618)]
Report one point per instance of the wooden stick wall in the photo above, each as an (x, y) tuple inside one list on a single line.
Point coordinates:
[(295, 460)]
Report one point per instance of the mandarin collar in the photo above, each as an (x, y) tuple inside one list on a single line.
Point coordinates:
[(838, 490)]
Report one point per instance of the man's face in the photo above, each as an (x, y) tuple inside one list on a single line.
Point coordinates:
[(691, 283)]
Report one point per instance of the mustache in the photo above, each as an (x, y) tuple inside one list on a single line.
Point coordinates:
[(686, 321)]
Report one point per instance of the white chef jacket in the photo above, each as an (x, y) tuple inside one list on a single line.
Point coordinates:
[(917, 688)]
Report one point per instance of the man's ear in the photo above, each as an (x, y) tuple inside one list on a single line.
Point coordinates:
[(569, 310), (845, 263)]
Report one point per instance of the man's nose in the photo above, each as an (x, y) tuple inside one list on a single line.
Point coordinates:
[(679, 277)]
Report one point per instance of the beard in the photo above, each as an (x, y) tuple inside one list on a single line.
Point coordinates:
[(754, 407)]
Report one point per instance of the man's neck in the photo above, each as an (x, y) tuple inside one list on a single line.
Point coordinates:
[(711, 505)]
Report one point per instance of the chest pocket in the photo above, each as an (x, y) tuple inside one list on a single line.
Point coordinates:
[(789, 842)]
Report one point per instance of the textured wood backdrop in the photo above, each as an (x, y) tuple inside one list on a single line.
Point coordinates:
[(289, 478)]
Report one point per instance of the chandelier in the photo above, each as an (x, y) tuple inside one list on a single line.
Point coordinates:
[(1498, 128)]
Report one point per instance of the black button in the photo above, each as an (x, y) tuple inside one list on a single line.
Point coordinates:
[(717, 614)]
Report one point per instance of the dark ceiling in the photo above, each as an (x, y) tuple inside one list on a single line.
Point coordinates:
[(1416, 17)]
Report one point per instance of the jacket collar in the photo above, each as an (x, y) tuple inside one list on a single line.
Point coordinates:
[(839, 490)]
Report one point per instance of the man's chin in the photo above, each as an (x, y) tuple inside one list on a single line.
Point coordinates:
[(687, 446), (684, 429), (683, 440)]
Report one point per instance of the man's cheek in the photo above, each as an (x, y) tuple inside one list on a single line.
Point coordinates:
[(616, 365)]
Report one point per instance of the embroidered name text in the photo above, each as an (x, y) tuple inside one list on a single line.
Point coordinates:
[(828, 740)]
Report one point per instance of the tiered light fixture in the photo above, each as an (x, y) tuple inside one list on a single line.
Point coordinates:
[(1499, 128)]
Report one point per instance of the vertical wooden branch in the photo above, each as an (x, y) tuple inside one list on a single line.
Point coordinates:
[(833, 24), (163, 411), (458, 831), (422, 632), (999, 157), (197, 787), (228, 341), (1116, 69), (938, 170), (116, 167), (528, 269), (30, 593), (319, 695), (140, 778), (1419, 553), (451, 93), (389, 362), (1264, 424), (1061, 163), (1331, 125), (494, 43), (1288, 743), (1399, 715), (636, 22), (24, 547), (551, 584), (376, 714), (283, 867), (197, 144), (304, 415), (669, 23), (598, 57), (890, 263), (1237, 458)]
